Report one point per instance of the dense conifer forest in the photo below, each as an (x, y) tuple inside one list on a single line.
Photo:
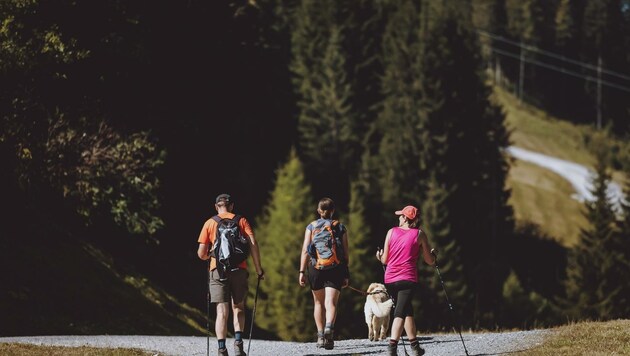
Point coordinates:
[(121, 121)]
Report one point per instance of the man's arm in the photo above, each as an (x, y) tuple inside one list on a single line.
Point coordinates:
[(202, 251), (253, 246), (255, 251), (204, 242)]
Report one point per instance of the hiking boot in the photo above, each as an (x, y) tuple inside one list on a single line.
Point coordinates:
[(238, 349), (392, 349), (223, 352), (416, 350), (329, 343), (320, 341)]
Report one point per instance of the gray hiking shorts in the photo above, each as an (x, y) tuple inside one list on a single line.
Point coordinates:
[(233, 289)]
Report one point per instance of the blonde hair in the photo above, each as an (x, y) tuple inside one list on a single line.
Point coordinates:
[(326, 208), (413, 223)]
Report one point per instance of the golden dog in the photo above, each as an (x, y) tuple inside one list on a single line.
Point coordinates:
[(377, 309)]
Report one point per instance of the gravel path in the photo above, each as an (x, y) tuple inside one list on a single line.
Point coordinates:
[(443, 344)]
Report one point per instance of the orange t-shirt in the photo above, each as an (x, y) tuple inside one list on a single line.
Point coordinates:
[(209, 233)]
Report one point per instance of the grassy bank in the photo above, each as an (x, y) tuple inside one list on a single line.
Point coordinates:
[(36, 350), (66, 286), (587, 338), (543, 197)]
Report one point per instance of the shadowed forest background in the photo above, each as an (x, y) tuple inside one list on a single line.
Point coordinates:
[(120, 122)]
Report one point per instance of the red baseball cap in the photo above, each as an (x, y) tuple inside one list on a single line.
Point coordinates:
[(409, 211)]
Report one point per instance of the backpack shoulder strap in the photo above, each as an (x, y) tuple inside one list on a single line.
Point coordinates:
[(312, 225), (218, 219)]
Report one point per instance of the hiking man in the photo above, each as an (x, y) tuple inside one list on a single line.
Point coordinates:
[(228, 270)]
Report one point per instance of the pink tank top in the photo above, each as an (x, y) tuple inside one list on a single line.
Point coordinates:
[(402, 256)]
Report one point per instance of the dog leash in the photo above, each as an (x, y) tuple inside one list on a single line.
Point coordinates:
[(358, 290), (370, 293)]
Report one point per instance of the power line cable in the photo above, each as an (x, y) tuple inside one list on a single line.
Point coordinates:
[(553, 55), (562, 70)]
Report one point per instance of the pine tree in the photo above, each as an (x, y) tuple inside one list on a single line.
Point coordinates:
[(604, 29), (621, 301), (590, 286), (567, 41), (364, 23), (464, 153), (437, 223), (329, 141), (368, 180), (400, 121), (363, 264), (364, 268), (490, 16), (285, 308), (567, 25)]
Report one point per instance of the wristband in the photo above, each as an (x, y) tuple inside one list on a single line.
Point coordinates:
[(301, 271)]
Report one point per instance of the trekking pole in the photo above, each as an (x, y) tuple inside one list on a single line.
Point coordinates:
[(251, 328), (208, 312), (403, 326), (450, 306)]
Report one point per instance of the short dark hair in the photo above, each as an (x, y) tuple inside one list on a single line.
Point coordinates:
[(223, 198)]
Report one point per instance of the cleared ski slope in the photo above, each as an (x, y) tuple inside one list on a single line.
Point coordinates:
[(579, 176)]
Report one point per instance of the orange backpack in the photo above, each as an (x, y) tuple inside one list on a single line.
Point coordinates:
[(325, 247)]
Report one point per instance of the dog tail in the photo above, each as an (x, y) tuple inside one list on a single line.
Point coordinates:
[(381, 310)]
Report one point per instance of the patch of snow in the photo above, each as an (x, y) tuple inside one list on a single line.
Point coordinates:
[(580, 177)]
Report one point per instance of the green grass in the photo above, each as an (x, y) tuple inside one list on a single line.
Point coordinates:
[(586, 338), (543, 197), (36, 350)]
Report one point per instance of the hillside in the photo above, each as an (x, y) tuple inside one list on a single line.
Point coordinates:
[(539, 195), (60, 285)]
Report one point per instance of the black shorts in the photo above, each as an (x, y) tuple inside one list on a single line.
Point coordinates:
[(333, 278), (402, 292)]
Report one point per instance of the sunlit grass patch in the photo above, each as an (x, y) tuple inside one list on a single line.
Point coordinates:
[(545, 199), (37, 350), (586, 338)]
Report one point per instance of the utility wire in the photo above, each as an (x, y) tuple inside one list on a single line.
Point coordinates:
[(553, 55), (561, 69)]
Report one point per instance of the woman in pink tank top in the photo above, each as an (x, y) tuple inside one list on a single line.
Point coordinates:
[(401, 252)]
